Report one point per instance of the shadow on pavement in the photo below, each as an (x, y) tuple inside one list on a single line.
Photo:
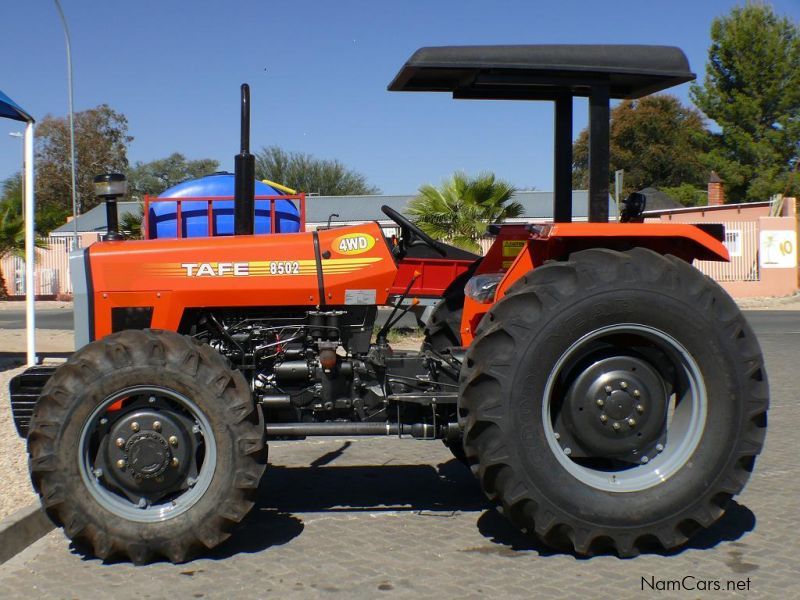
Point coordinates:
[(262, 528), (448, 487), (287, 491), (735, 523)]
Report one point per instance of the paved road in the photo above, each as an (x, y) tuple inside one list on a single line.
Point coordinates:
[(46, 318), (373, 517)]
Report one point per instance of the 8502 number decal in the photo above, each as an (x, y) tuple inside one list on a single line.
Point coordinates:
[(288, 267)]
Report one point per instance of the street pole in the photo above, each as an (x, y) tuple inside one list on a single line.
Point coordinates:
[(75, 206), (30, 249), (19, 136), (618, 177)]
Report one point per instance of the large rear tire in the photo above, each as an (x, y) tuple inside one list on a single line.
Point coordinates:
[(615, 401), (146, 444)]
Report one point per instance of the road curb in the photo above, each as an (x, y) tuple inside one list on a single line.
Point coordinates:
[(22, 529)]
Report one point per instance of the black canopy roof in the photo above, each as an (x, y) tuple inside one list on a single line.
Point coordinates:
[(542, 72)]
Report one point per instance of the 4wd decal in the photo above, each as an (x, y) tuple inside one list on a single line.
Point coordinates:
[(353, 243)]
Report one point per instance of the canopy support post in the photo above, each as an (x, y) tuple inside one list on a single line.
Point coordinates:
[(30, 249), (562, 165), (599, 153)]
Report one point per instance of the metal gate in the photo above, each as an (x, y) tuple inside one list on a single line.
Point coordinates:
[(741, 240)]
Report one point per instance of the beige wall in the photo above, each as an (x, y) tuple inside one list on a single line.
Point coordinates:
[(771, 281)]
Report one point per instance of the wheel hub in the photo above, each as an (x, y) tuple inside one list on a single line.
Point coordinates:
[(149, 453), (615, 408)]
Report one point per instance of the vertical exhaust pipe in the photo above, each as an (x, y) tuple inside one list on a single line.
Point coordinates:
[(245, 175)]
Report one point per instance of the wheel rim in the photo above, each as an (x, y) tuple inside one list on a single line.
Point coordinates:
[(686, 406), (167, 447)]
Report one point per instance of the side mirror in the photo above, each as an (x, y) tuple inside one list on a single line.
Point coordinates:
[(632, 208)]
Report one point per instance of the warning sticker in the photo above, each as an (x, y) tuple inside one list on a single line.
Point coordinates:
[(359, 296), (512, 247)]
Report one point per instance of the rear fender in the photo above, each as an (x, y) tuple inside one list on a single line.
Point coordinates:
[(516, 253)]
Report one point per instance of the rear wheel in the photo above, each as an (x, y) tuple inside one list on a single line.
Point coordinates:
[(616, 400), (145, 444)]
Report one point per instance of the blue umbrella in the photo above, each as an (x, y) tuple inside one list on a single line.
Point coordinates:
[(11, 110)]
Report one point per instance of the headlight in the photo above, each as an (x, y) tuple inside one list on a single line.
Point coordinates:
[(482, 288)]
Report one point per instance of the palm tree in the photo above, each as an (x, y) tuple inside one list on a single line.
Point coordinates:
[(459, 210), (131, 223), (12, 240)]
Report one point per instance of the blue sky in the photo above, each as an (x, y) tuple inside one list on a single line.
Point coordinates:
[(318, 73)]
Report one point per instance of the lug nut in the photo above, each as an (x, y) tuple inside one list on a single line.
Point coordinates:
[(157, 425), (636, 393), (603, 418), (173, 441), (557, 435), (599, 402), (609, 389), (567, 451), (639, 408), (134, 426), (623, 385), (121, 464), (659, 447), (152, 399), (120, 442), (645, 460), (175, 462), (616, 426), (98, 473), (632, 422)]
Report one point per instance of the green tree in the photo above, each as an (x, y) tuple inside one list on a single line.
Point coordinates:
[(657, 140), (157, 175), (687, 194), (11, 194), (131, 223), (306, 173), (459, 210), (752, 91), (101, 145), (47, 217)]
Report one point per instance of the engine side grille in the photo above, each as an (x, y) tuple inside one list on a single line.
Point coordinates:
[(24, 390)]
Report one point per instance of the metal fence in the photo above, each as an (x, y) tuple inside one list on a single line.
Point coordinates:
[(741, 240), (52, 269)]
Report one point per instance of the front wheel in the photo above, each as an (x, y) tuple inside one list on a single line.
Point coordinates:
[(146, 444), (614, 401)]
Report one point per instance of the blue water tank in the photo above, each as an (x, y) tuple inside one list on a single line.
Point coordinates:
[(162, 217)]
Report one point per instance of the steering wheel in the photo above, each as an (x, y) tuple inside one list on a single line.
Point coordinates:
[(411, 231)]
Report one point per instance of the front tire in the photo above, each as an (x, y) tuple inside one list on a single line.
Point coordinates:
[(614, 401), (146, 444)]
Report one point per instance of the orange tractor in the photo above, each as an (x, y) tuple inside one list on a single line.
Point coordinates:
[(603, 391)]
